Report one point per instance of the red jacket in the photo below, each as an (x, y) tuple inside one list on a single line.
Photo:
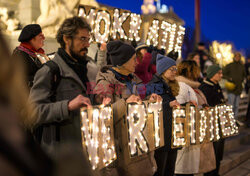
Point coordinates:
[(142, 69), (152, 69)]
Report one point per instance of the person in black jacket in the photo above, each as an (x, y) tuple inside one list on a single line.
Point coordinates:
[(30, 51), (166, 70), (213, 92)]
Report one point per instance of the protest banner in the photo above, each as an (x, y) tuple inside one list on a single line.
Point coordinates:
[(143, 129), (98, 135), (109, 24), (196, 126), (227, 121)]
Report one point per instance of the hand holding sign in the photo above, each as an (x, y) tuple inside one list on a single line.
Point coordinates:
[(134, 99), (174, 104), (155, 98), (106, 101), (103, 46), (79, 102)]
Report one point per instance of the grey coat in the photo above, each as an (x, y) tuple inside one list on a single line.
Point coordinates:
[(55, 115)]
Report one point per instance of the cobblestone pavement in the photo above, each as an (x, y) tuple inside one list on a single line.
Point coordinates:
[(242, 170)]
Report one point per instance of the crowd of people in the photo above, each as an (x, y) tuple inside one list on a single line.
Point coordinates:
[(41, 98)]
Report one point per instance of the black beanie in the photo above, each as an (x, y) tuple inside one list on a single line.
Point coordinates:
[(119, 52), (29, 32)]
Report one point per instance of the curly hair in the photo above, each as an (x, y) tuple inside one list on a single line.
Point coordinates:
[(188, 69), (70, 28)]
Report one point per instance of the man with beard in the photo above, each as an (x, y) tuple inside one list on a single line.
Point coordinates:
[(58, 107)]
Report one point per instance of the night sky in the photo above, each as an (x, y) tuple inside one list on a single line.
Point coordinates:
[(221, 20)]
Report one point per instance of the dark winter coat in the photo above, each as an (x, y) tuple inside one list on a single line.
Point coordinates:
[(212, 92), (60, 125), (31, 65), (158, 85), (236, 73), (214, 95)]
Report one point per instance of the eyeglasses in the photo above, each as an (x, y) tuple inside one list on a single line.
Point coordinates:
[(174, 69), (83, 39)]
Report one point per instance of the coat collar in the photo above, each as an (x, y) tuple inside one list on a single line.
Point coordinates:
[(106, 73), (191, 83), (158, 79), (207, 81), (66, 71)]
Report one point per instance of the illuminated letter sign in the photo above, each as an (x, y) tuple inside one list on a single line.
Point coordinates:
[(90, 129), (117, 24), (178, 127), (136, 123), (227, 122), (102, 33), (192, 123), (166, 28), (107, 131), (90, 16), (155, 109), (98, 135), (153, 33), (135, 25)]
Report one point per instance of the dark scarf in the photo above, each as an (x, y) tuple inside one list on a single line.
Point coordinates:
[(80, 67), (125, 79), (122, 78)]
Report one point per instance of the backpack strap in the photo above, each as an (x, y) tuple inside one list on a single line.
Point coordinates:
[(55, 80)]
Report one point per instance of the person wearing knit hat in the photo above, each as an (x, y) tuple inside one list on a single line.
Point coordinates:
[(164, 84), (212, 70), (118, 85), (163, 63), (30, 50), (119, 52), (211, 89)]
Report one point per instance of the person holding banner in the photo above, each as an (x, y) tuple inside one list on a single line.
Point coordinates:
[(200, 158), (59, 89), (187, 161), (165, 85), (213, 92), (118, 83)]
